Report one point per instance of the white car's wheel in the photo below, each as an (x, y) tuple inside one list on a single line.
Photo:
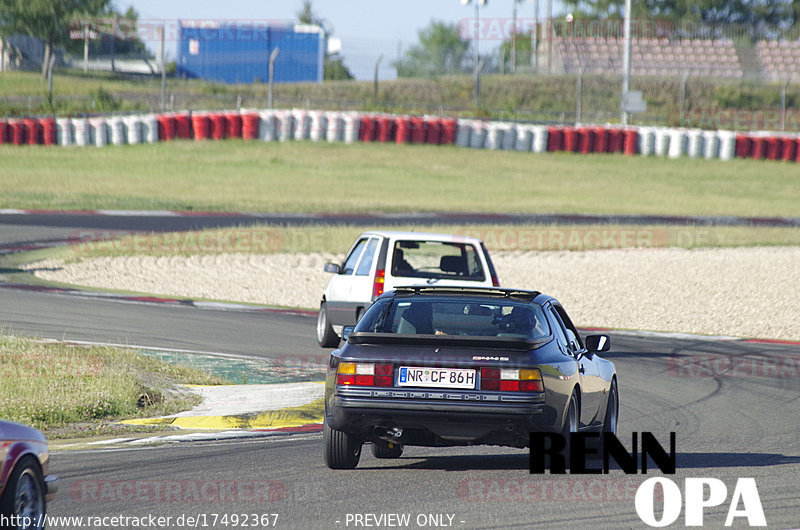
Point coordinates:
[(326, 337)]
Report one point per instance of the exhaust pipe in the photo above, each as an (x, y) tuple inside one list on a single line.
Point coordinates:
[(390, 435)]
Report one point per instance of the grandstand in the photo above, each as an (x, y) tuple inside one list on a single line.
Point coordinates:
[(779, 60), (651, 56)]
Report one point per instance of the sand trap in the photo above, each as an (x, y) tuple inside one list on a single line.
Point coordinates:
[(750, 292)]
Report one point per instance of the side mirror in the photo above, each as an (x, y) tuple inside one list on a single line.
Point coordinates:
[(598, 343), (346, 331), (333, 268)]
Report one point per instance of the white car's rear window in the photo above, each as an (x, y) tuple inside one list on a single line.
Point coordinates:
[(436, 259)]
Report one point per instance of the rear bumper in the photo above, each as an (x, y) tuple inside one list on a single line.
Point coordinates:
[(464, 415)]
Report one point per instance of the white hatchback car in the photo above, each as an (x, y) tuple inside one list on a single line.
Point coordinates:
[(382, 260)]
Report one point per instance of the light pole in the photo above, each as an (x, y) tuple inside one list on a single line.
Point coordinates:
[(477, 88), (535, 38), (626, 60), (272, 57), (514, 37)]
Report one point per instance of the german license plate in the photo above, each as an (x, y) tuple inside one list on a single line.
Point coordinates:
[(437, 377)]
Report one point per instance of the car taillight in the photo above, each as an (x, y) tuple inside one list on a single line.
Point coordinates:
[(377, 285), (495, 281), (512, 379), (365, 374)]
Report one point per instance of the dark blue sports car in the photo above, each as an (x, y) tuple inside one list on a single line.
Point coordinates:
[(444, 366)]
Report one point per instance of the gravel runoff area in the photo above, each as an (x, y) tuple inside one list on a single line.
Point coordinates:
[(744, 292)]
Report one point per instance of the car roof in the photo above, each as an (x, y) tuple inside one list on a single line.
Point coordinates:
[(409, 234), (482, 292)]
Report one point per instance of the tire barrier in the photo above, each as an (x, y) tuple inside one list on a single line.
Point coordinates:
[(336, 126), (49, 131), (587, 141), (540, 139), (743, 146), (201, 126), (302, 124), (662, 142), (250, 126), (80, 128), (555, 139), (284, 125), (774, 148), (183, 126), (387, 129), (318, 126), (509, 137), (600, 140), (419, 129), (32, 131), (64, 132), (696, 143), (266, 126), (166, 127), (463, 133), (678, 143), (616, 140), (219, 127), (150, 128), (98, 131), (449, 131), (789, 150), (711, 145), (727, 145), (480, 132), (233, 124), (134, 129), (116, 126), (647, 141), (571, 140), (352, 123), (524, 138), (494, 136), (758, 148)]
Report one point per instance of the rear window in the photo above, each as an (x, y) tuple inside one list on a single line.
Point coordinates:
[(437, 259), (456, 316)]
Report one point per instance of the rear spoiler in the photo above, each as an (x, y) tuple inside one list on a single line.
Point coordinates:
[(444, 341)]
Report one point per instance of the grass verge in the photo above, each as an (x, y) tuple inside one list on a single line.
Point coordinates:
[(325, 177), (71, 391)]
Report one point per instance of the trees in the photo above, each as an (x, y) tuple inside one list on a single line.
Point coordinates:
[(440, 51), (334, 67), (128, 44), (47, 20), (523, 50), (751, 12)]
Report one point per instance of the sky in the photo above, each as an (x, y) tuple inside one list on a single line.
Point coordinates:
[(367, 29)]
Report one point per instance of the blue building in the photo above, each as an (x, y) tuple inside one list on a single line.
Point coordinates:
[(238, 51)]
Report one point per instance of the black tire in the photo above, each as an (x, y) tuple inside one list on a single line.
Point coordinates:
[(342, 450), (571, 422), (326, 337), (384, 449), (611, 419), (24, 494)]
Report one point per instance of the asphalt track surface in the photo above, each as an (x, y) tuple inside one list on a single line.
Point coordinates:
[(732, 404)]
